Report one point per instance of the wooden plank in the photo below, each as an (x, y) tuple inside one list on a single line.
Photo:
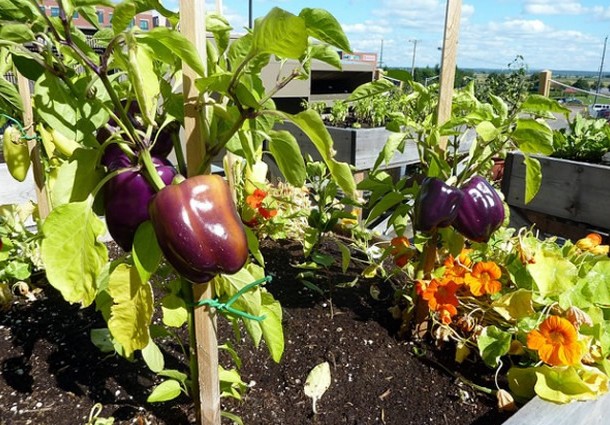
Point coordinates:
[(572, 190), (207, 401), (448, 63), (42, 196), (541, 412), (544, 88)]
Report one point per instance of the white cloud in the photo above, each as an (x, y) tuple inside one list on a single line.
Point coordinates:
[(555, 7), (367, 27), (520, 26)]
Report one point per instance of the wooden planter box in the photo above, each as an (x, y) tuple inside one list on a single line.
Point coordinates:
[(358, 147), (570, 190)]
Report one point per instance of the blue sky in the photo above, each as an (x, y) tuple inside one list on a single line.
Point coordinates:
[(549, 34)]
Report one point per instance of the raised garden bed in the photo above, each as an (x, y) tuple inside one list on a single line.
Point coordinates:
[(571, 190)]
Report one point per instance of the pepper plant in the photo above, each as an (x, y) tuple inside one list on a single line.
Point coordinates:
[(505, 295), (107, 122)]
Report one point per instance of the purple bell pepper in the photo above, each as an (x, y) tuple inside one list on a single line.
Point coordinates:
[(198, 228), (481, 211), (436, 204)]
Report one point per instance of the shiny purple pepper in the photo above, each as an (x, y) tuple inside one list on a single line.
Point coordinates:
[(436, 204), (481, 211), (127, 197)]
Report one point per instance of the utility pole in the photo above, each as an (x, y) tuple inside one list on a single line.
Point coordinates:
[(601, 68), (381, 55), (250, 14), (413, 61)]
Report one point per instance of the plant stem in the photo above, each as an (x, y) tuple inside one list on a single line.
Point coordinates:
[(420, 306), (187, 293)]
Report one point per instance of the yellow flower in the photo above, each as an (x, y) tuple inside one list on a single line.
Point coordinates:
[(556, 342), (592, 243)]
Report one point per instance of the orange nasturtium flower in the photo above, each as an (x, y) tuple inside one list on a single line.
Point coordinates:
[(441, 298), (256, 199), (456, 268), (484, 278), (556, 342), (401, 250)]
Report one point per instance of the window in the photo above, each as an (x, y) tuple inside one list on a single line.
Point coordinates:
[(143, 24), (100, 16), (42, 9), (132, 23), (75, 16), (54, 11), (110, 18)]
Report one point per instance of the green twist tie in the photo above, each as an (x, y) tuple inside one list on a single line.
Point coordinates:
[(21, 129), (226, 307)]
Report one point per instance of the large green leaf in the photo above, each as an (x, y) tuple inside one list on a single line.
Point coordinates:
[(327, 54), (385, 204), (229, 285), (165, 391), (521, 382), (553, 274), (273, 332), (562, 385), (311, 124), (10, 100), (76, 178), (369, 89), (596, 283), (395, 142), (71, 251), (287, 154), (323, 26), (514, 305), (487, 131), (132, 310), (17, 33), (533, 178), (122, 15), (178, 44), (146, 251), (536, 103), (493, 343), (175, 313), (153, 357), (280, 33), (533, 136), (144, 80)]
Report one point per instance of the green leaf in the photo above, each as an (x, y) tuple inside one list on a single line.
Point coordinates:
[(369, 89), (254, 246), (102, 339), (553, 274), (232, 417), (280, 33), (562, 385), (595, 283), (287, 154), (174, 374), (311, 124), (146, 252), (323, 26), (396, 141), (385, 204), (327, 54), (27, 66), (514, 305), (143, 80), (273, 333), (122, 15), (346, 256), (17, 33), (521, 382), (536, 103), (165, 391), (175, 311), (71, 251), (229, 285), (10, 100), (400, 74), (76, 178), (533, 136), (132, 310), (493, 343), (153, 357), (178, 44), (533, 178), (487, 131)]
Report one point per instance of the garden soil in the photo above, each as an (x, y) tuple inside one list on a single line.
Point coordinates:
[(51, 373)]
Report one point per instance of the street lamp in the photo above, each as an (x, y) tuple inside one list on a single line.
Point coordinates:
[(414, 41)]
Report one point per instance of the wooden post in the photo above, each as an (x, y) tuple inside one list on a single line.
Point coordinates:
[(544, 87), (207, 401), (448, 63), (42, 196)]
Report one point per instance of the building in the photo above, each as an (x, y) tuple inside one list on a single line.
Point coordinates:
[(144, 21)]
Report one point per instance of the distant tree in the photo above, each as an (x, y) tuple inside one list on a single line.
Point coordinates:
[(582, 84)]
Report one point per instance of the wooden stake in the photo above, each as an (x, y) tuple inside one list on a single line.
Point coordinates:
[(448, 63), (42, 197), (207, 401), (544, 88)]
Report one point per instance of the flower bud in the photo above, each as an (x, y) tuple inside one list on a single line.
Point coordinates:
[(506, 402)]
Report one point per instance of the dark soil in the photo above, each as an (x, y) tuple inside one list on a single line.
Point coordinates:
[(51, 373)]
